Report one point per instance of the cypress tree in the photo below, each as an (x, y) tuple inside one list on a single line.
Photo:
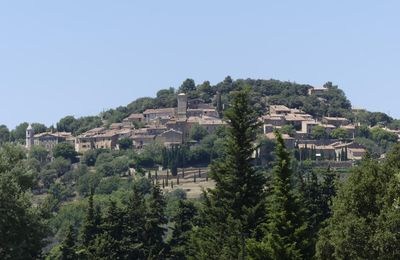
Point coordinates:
[(235, 208), (166, 180), (284, 231)]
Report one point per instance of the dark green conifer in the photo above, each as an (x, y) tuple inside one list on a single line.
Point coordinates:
[(285, 229), (67, 248), (235, 207), (155, 225), (134, 226), (183, 224)]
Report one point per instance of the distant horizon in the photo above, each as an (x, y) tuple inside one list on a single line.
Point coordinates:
[(69, 58)]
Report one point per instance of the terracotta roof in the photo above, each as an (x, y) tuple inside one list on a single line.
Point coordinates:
[(55, 134), (357, 150), (171, 130), (335, 118), (142, 137), (135, 116), (327, 126)]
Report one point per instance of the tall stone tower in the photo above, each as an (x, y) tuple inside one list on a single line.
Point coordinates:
[(182, 106), (29, 137)]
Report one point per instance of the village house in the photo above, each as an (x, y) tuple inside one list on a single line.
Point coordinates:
[(100, 138), (296, 119), (315, 91), (354, 150), (307, 126), (279, 110), (350, 129), (162, 113), (133, 118), (48, 140), (274, 120), (336, 121), (170, 137), (322, 152), (288, 140)]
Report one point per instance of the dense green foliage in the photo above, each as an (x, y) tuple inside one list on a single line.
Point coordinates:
[(22, 230), (365, 220)]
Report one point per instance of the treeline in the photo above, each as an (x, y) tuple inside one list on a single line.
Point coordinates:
[(332, 102)]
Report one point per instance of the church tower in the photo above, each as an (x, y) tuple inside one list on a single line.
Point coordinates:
[(29, 137), (182, 106)]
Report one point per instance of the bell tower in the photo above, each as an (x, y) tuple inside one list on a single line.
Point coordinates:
[(30, 133), (182, 106)]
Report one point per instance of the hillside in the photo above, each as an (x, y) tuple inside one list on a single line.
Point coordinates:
[(98, 180)]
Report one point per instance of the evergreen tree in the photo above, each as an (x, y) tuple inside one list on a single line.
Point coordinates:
[(155, 225), (284, 233), (67, 248), (328, 190), (235, 207), (183, 224), (90, 227), (316, 194), (134, 226), (109, 242)]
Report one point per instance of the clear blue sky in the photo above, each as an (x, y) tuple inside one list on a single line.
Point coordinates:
[(77, 58)]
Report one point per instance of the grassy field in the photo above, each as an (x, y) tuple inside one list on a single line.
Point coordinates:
[(192, 180)]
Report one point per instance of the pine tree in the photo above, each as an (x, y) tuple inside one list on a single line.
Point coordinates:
[(154, 226), (285, 229), (67, 248), (235, 207)]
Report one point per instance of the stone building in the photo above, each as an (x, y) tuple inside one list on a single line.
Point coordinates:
[(100, 138), (162, 113), (49, 140), (170, 137), (29, 137)]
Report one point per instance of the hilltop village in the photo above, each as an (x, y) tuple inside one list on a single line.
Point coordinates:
[(319, 139), (170, 126)]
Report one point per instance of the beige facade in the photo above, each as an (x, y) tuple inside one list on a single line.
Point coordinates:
[(49, 140), (170, 137), (336, 121), (100, 138), (163, 113)]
